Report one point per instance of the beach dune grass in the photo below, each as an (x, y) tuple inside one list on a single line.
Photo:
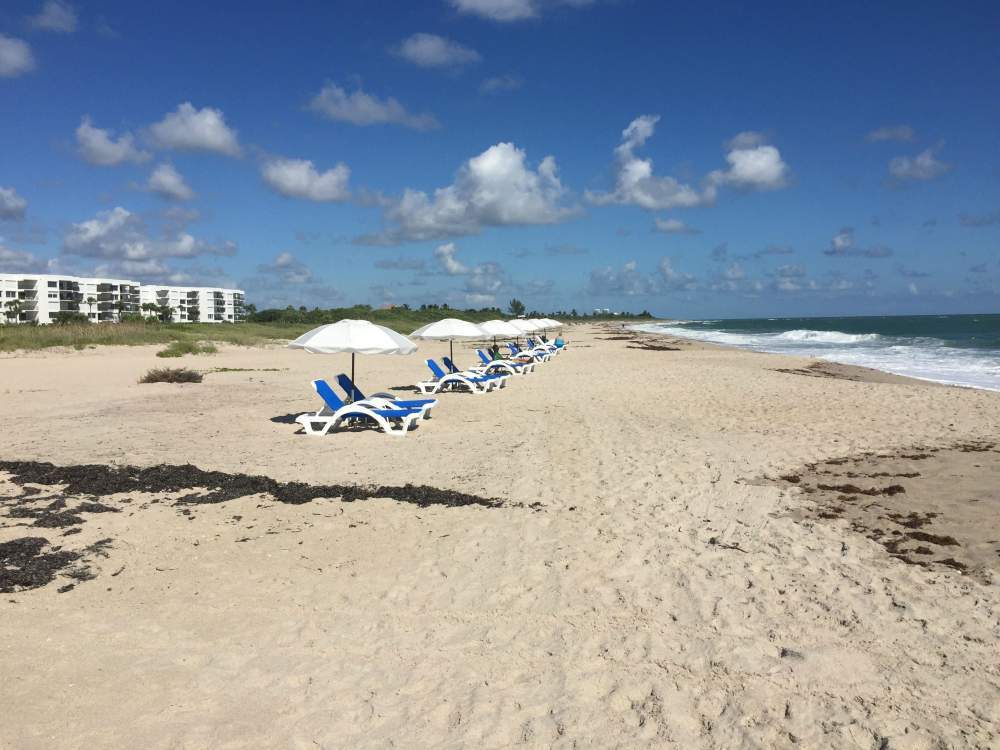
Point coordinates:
[(171, 375), (136, 333), (81, 336), (180, 348)]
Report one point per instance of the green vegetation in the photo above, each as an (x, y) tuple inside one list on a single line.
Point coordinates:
[(180, 348), (171, 375), (516, 307), (266, 326), (405, 319)]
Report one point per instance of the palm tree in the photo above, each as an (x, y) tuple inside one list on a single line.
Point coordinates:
[(90, 302), (13, 310)]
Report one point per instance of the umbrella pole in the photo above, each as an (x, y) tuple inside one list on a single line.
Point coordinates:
[(451, 348), (353, 387)]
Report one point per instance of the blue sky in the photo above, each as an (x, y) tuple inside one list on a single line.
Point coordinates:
[(723, 160)]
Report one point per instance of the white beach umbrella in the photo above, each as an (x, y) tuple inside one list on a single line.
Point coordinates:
[(354, 336), (524, 326), (552, 323), (449, 330), (500, 329)]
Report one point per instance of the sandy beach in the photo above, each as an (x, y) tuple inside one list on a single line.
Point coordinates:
[(648, 542)]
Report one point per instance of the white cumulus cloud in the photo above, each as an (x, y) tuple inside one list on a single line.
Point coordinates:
[(433, 51), (12, 205), (360, 108), (495, 188), (285, 281), (445, 255), (190, 129), (891, 133), (299, 178), (510, 10), (120, 235), (98, 146), (15, 57), (55, 15), (923, 166), (480, 283), (635, 182), (19, 261), (501, 83), (753, 165), (167, 182), (674, 280), (674, 226)]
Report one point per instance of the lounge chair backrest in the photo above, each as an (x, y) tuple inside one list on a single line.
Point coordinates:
[(449, 364), (435, 369), (531, 343), (482, 355), (513, 349), (350, 389), (328, 395)]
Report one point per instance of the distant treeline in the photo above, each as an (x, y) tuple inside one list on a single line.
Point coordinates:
[(420, 315)]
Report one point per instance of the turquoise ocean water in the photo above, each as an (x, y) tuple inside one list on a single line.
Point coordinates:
[(955, 349)]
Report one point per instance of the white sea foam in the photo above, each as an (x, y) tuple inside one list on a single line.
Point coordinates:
[(924, 358), (827, 337)]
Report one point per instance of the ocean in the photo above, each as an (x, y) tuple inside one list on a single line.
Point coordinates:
[(955, 349)]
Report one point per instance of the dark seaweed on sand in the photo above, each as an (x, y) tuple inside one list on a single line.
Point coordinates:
[(24, 564), (98, 480)]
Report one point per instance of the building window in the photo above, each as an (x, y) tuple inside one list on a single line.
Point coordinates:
[(52, 283)]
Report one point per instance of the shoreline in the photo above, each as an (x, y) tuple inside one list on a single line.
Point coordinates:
[(602, 553), (820, 367), (818, 358)]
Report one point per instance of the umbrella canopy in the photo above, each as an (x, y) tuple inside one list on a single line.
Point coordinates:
[(524, 326), (354, 336), (552, 323), (500, 329), (449, 330)]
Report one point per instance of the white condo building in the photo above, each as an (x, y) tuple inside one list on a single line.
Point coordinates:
[(196, 304), (39, 298)]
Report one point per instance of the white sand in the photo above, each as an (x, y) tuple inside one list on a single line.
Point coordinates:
[(607, 618)]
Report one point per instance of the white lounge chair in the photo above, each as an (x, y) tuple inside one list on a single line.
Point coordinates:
[(335, 411)]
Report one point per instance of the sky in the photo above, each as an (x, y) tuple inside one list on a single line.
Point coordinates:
[(697, 160)]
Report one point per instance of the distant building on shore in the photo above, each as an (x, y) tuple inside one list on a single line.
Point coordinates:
[(190, 304), (40, 298)]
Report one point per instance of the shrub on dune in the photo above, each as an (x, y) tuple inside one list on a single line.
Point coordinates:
[(171, 375)]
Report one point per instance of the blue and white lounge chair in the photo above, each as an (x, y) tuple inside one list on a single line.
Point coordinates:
[(546, 345), (506, 365), (539, 355), (473, 371), (475, 384), (335, 411), (385, 400)]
